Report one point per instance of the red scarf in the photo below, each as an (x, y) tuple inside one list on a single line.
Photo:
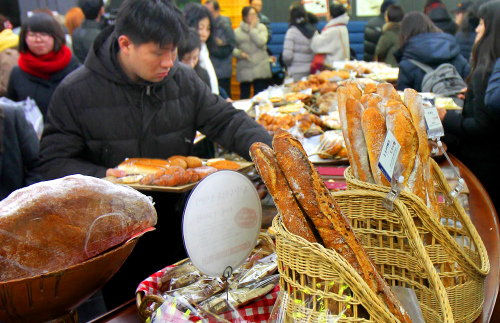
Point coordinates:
[(46, 65)]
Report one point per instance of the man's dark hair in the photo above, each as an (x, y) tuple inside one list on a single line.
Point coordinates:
[(189, 43), (194, 12), (386, 4), (145, 21), (416, 23), (214, 3), (3, 20), (42, 23), (337, 9), (298, 14), (395, 13), (90, 8)]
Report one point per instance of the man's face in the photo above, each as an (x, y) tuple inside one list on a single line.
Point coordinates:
[(210, 7), (257, 4), (459, 17), (149, 62)]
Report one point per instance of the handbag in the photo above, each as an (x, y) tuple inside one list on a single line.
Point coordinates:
[(318, 60)]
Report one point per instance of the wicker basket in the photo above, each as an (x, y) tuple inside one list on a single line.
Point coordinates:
[(455, 248), (303, 264)]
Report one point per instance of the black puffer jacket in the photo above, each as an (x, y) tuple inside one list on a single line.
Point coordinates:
[(442, 19), (373, 31), (23, 85), (98, 117)]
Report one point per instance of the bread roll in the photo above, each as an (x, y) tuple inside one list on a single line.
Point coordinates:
[(193, 162), (343, 95), (402, 128), (225, 164), (387, 91), (354, 111), (181, 162), (414, 103), (146, 161), (267, 166), (49, 226), (138, 168), (204, 171), (375, 130), (333, 227)]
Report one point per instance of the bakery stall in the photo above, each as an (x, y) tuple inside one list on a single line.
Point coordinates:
[(415, 225)]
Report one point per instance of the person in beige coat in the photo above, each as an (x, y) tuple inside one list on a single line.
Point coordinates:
[(253, 63), (8, 53), (334, 38)]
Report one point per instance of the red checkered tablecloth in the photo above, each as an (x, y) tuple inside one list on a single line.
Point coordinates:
[(257, 311)]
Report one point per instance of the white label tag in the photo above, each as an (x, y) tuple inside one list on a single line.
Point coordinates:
[(389, 155), (433, 123), (288, 80)]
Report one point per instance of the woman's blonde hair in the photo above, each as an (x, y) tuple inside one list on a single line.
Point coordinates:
[(73, 19)]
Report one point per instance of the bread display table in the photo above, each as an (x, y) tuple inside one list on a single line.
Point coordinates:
[(482, 213)]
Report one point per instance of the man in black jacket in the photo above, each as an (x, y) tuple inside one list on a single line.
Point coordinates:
[(132, 98), (84, 36), (373, 31)]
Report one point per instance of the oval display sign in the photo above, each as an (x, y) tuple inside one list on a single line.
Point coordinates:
[(221, 223)]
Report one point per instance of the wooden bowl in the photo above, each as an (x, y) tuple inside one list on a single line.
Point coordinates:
[(54, 295)]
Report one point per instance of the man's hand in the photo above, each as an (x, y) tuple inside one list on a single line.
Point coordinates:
[(115, 172), (229, 100), (244, 55), (442, 113)]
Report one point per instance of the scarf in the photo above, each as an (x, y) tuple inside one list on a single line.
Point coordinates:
[(46, 65), (8, 39), (206, 63)]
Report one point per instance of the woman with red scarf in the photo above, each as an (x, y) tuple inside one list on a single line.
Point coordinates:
[(43, 62)]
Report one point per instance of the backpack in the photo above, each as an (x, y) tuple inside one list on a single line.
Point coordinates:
[(444, 80)]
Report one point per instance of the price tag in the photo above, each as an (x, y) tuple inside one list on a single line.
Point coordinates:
[(389, 155), (433, 123), (221, 223)]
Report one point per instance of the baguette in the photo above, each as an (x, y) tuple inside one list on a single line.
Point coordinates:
[(267, 166), (387, 91), (414, 103), (402, 128), (371, 97), (375, 130), (137, 168), (343, 95), (354, 111), (332, 225), (354, 89)]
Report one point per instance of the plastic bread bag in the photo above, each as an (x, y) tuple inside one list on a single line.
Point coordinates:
[(409, 300), (239, 297), (179, 276), (286, 303), (262, 268)]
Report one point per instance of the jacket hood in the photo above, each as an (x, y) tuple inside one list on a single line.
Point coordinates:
[(102, 59), (8, 39), (306, 29), (342, 19), (439, 14), (431, 48)]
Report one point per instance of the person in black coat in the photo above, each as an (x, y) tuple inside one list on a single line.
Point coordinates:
[(43, 63), (84, 36), (373, 31), (437, 12), (133, 98), (421, 41), (492, 98), (18, 151), (472, 136)]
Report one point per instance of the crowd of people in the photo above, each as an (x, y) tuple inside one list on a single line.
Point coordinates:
[(143, 86)]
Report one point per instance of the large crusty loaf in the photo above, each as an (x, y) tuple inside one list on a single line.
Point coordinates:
[(52, 225), (343, 95), (387, 91), (267, 166), (375, 130), (354, 111), (323, 210), (414, 103), (401, 126)]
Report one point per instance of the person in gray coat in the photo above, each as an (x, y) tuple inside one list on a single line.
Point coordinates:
[(252, 66), (222, 49), (84, 36), (297, 52)]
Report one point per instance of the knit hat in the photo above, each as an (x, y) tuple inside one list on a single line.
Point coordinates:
[(386, 5), (463, 6), (8, 39)]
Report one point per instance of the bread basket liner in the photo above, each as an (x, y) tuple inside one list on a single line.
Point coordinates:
[(461, 296), (363, 294)]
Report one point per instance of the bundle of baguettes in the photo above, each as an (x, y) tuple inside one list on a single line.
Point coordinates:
[(309, 210), (366, 118)]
